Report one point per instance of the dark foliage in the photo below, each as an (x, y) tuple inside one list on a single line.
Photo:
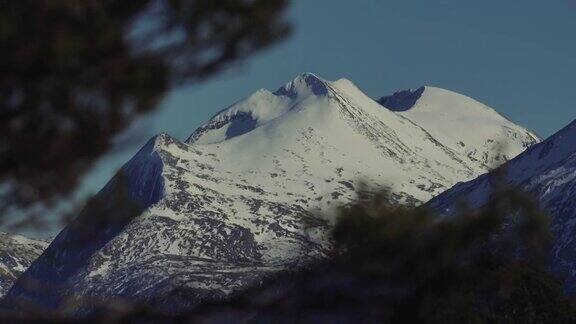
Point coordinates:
[(73, 74), (404, 265), (400, 265)]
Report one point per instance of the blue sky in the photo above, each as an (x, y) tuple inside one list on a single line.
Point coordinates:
[(518, 57)]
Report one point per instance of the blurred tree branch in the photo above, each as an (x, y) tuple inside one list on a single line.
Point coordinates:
[(75, 73)]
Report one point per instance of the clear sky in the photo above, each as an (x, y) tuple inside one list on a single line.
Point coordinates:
[(517, 56)]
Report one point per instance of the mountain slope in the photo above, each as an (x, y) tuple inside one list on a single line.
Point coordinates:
[(245, 195), (462, 124), (16, 254), (548, 172)]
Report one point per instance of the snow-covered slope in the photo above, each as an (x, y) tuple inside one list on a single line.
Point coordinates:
[(463, 124), (16, 255), (548, 172), (245, 194)]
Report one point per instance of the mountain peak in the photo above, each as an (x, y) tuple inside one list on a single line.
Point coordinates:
[(259, 108), (308, 77), (157, 142), (304, 83)]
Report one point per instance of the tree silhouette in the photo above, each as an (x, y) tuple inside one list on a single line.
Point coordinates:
[(406, 265), (73, 74)]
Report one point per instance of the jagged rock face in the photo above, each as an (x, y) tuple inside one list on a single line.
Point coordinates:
[(547, 171), (16, 254), (252, 191)]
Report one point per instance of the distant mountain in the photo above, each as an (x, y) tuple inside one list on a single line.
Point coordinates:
[(245, 195), (16, 254), (548, 172)]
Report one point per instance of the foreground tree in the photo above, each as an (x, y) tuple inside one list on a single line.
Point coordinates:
[(399, 265), (389, 264), (73, 74)]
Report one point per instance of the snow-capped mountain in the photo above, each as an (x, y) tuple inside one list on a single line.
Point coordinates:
[(248, 192), (16, 254), (547, 171)]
